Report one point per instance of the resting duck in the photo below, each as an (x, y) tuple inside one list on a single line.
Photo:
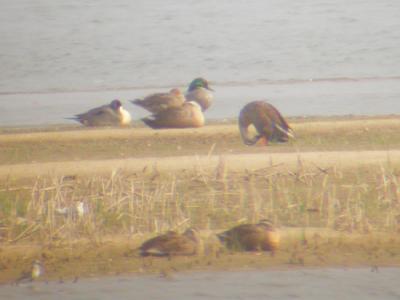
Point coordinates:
[(200, 92), (251, 237), (156, 103), (112, 114), (267, 120), (172, 243), (186, 116)]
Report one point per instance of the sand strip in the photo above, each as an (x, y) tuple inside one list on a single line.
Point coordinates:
[(177, 163)]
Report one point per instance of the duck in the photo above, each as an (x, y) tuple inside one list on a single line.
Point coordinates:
[(158, 102), (172, 243), (251, 237), (267, 120), (200, 92), (112, 114), (189, 115)]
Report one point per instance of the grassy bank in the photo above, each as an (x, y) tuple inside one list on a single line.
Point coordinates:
[(333, 208), (113, 256)]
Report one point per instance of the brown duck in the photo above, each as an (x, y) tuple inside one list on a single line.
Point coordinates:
[(251, 237), (158, 102), (189, 115), (269, 123), (172, 243)]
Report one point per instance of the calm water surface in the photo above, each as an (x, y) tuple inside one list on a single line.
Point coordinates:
[(60, 57), (315, 284)]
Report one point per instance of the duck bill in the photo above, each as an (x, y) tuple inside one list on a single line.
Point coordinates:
[(262, 141)]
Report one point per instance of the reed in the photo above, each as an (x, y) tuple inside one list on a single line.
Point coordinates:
[(362, 200)]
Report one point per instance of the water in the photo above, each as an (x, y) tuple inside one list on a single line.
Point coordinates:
[(295, 284), (68, 49)]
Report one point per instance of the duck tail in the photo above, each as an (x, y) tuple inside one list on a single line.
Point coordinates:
[(149, 121), (138, 102), (288, 133), (76, 118)]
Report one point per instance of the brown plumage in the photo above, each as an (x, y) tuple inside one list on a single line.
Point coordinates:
[(251, 237), (189, 115), (156, 103), (267, 120), (172, 243)]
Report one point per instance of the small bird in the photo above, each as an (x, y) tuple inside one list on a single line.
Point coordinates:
[(112, 114), (158, 102), (36, 271), (78, 210), (189, 115), (200, 92), (81, 209), (267, 120), (251, 237), (172, 243)]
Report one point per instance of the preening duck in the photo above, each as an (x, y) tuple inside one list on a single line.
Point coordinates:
[(267, 120)]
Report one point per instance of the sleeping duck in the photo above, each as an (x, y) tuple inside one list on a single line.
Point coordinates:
[(172, 243), (188, 115), (251, 237), (112, 114)]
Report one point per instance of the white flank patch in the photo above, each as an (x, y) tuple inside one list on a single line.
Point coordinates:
[(195, 104), (126, 116)]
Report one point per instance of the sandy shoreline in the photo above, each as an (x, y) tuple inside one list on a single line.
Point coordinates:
[(234, 162), (302, 248), (344, 142), (95, 144)]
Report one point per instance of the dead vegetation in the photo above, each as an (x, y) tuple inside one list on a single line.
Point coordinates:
[(328, 212)]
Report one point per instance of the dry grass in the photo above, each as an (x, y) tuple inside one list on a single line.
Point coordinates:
[(344, 206), (363, 199)]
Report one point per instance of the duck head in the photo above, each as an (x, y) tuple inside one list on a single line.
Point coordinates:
[(192, 234), (115, 104), (266, 223), (176, 92), (199, 83)]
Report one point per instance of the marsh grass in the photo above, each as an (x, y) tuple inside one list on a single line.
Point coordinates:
[(86, 226), (363, 200)]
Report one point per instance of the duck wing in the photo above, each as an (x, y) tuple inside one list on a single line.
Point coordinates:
[(158, 102), (100, 116)]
